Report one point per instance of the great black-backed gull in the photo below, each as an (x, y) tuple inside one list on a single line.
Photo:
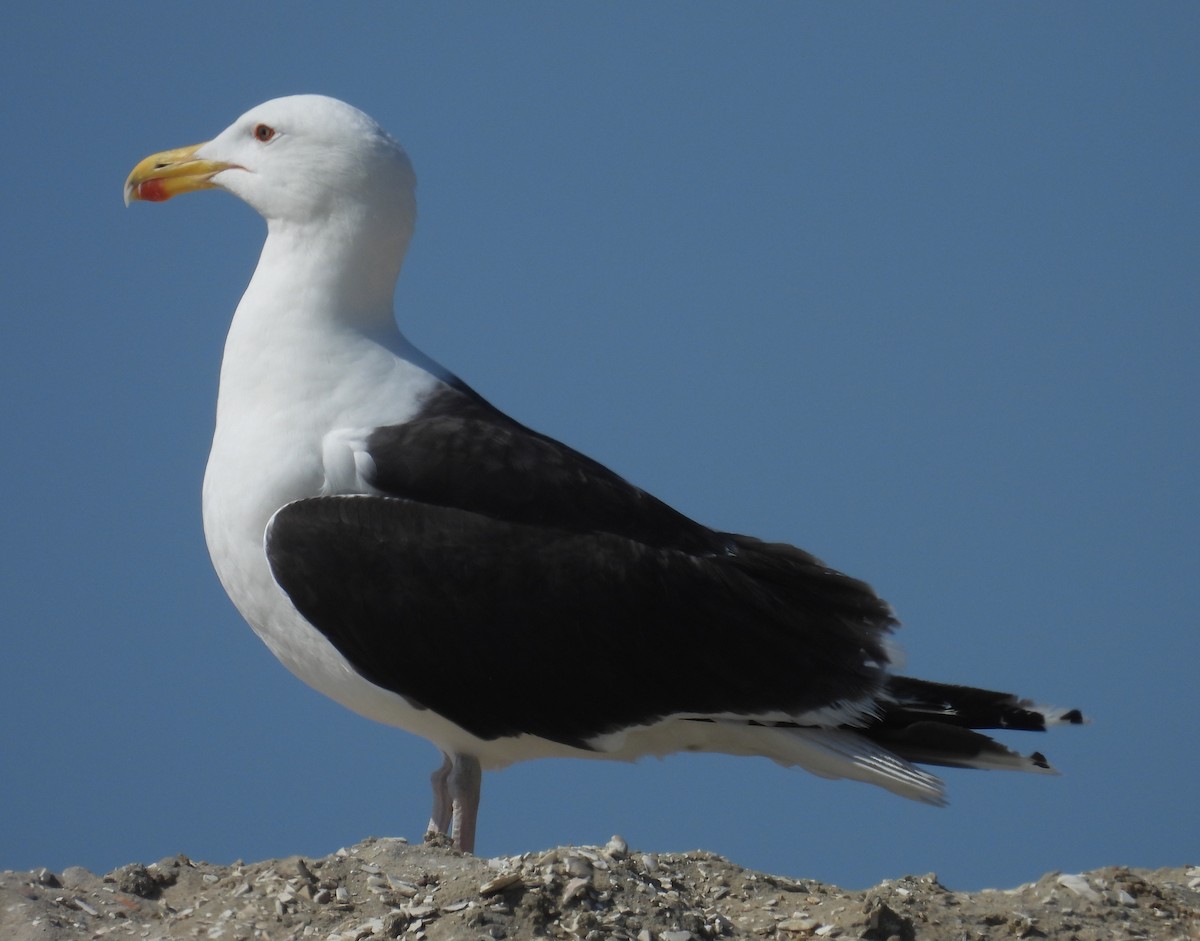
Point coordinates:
[(427, 561)]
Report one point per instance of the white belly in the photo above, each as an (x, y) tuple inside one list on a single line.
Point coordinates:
[(278, 441)]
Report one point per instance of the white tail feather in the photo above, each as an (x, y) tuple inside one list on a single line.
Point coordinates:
[(836, 753), (825, 752)]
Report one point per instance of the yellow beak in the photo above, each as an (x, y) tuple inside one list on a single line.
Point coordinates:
[(161, 176)]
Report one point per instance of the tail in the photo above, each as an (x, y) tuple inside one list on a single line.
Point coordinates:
[(935, 723), (917, 722)]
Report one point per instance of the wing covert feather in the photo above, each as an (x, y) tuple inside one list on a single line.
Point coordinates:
[(511, 627)]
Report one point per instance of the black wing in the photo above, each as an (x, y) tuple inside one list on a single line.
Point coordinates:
[(509, 628), (514, 585), (461, 451)]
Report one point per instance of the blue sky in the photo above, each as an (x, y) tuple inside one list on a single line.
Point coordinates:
[(912, 286)]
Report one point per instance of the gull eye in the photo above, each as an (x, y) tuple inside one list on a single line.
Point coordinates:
[(263, 132)]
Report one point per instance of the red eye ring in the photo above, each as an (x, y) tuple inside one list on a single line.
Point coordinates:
[(263, 133)]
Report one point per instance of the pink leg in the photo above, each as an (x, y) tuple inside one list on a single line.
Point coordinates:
[(464, 784), (439, 818), (455, 800)]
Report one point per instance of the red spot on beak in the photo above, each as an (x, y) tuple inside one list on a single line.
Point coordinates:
[(153, 191)]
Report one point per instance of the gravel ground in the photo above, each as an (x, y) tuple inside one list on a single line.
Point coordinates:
[(382, 889)]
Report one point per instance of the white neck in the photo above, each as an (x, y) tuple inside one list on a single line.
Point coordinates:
[(340, 272)]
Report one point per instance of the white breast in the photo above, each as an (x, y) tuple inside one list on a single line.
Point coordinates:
[(291, 419)]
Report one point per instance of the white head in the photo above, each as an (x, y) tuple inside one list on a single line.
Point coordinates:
[(331, 183), (300, 160)]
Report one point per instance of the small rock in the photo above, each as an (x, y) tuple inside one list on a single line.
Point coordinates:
[(85, 907), (400, 887), (676, 936), (394, 924), (45, 877), (574, 889), (500, 883), (368, 928), (142, 882), (616, 847), (1079, 886), (883, 923), (76, 877), (578, 867)]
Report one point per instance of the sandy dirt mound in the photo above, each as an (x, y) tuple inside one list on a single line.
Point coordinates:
[(382, 889)]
